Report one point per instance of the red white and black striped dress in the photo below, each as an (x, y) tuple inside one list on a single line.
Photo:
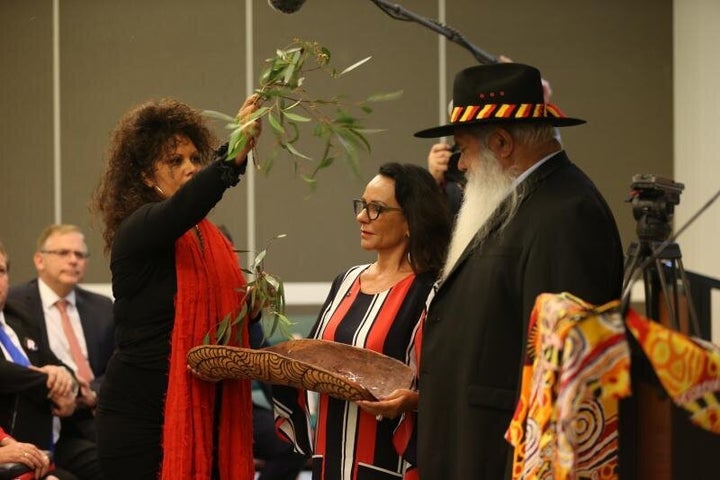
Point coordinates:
[(350, 444)]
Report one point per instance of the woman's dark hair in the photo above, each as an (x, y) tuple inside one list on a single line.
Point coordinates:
[(426, 212), (145, 135)]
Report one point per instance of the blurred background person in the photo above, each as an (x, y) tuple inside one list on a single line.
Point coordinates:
[(77, 324), (35, 386)]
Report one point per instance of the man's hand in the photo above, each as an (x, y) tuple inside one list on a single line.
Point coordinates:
[(87, 397), (60, 382), (438, 160), (63, 405), (547, 89)]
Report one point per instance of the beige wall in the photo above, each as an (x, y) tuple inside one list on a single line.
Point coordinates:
[(697, 143), (609, 63)]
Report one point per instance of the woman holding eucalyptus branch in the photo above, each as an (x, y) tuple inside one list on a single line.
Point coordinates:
[(174, 277), (404, 219)]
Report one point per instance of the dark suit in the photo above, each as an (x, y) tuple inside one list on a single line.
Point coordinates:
[(96, 317), (562, 238), (25, 411), (76, 449)]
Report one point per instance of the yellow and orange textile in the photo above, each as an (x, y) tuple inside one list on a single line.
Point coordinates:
[(577, 368), (688, 368)]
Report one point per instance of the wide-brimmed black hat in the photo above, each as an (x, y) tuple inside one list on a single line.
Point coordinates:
[(499, 93)]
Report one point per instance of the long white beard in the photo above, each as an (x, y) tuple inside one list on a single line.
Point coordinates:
[(488, 184)]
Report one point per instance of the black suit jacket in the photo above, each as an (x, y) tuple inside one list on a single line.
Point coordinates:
[(562, 238), (96, 318), (25, 411)]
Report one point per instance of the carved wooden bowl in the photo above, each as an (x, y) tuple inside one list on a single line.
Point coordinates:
[(339, 370)]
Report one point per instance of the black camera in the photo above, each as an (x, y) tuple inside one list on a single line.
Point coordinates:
[(653, 200)]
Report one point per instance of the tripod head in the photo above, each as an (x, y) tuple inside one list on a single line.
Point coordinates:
[(653, 200)]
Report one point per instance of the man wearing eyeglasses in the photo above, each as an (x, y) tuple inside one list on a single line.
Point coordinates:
[(76, 324)]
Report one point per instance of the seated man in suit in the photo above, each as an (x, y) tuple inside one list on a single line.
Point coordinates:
[(34, 383), (75, 323)]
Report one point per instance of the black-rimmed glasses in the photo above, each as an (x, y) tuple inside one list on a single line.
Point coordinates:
[(64, 253), (372, 210)]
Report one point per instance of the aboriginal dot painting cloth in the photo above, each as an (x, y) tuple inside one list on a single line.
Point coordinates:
[(687, 367), (576, 369)]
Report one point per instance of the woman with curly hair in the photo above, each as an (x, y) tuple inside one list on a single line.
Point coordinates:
[(174, 277)]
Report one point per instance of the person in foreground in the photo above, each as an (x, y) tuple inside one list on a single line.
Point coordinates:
[(174, 277), (531, 222), (404, 219)]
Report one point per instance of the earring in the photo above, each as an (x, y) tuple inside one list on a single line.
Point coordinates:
[(159, 190)]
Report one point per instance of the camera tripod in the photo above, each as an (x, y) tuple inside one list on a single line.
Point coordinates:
[(664, 278)]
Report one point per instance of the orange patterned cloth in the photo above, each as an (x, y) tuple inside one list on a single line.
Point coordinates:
[(577, 368), (688, 369)]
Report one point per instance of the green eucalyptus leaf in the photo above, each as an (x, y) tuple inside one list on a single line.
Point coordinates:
[(295, 152), (222, 328), (354, 66), (236, 145), (369, 131), (295, 117), (309, 180), (295, 133), (275, 322), (321, 130), (325, 162), (360, 137), (255, 115), (384, 97), (257, 263), (293, 50), (218, 116), (275, 124), (272, 281), (288, 74)]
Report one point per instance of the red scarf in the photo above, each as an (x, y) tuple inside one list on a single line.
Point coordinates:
[(209, 283)]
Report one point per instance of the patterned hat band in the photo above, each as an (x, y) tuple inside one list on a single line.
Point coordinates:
[(500, 93), (488, 111)]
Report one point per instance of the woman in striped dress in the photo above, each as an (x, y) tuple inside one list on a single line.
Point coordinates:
[(403, 218)]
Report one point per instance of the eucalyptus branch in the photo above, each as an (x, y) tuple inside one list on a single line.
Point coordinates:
[(265, 293), (285, 104)]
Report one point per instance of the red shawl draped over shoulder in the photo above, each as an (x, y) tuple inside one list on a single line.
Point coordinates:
[(210, 286)]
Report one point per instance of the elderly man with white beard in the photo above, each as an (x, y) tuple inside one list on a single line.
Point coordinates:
[(531, 222)]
